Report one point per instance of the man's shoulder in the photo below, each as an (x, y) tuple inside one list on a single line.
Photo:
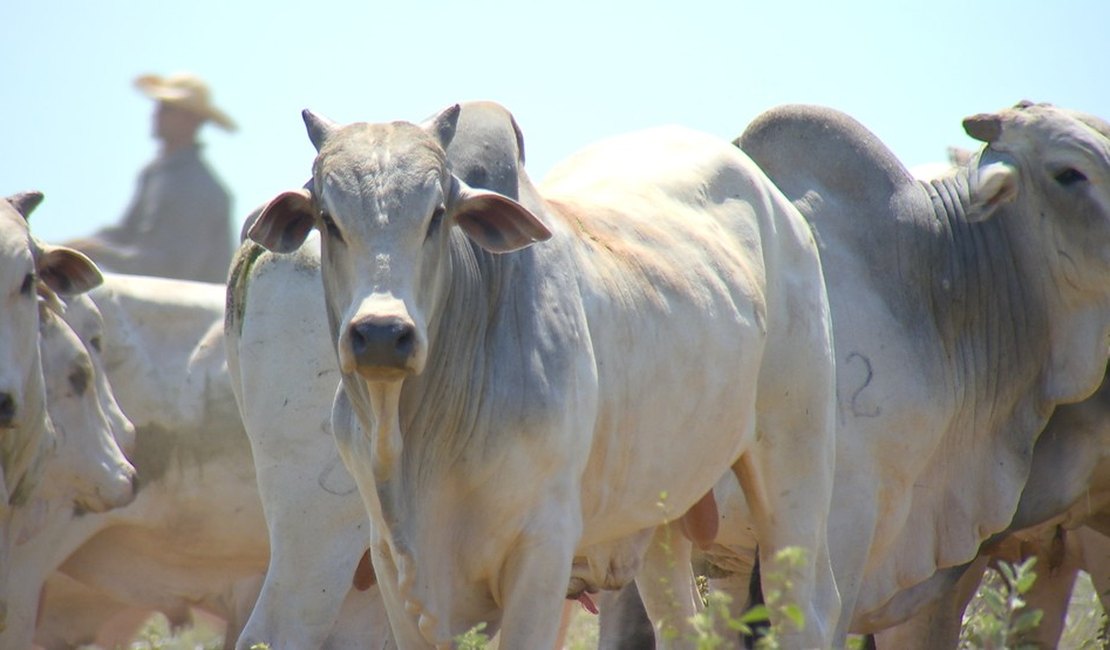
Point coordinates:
[(191, 173)]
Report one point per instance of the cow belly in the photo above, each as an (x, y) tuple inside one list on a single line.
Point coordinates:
[(666, 433)]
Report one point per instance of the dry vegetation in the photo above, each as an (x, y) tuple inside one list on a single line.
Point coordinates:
[(1084, 630)]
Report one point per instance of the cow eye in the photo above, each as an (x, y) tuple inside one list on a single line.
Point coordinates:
[(28, 284), (330, 227), (94, 342), (1069, 176), (437, 218)]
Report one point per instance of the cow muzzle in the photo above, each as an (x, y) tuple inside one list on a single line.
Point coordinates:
[(383, 347)]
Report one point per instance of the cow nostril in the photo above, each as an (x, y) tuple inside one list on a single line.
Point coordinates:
[(7, 409), (406, 339), (358, 340)]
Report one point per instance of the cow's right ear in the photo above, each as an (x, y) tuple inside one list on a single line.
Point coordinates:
[(285, 222), (992, 186)]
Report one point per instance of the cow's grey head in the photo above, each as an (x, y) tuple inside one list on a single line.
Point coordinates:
[(24, 263), (387, 209), (88, 466), (1056, 163), (18, 310)]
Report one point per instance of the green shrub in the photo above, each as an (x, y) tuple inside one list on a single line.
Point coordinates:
[(998, 618)]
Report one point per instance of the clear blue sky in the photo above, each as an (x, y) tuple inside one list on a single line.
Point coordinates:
[(572, 72)]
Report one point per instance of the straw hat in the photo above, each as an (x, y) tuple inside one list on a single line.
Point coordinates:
[(187, 91)]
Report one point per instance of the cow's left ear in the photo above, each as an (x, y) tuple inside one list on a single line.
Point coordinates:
[(65, 270), (992, 185), (285, 222), (494, 221)]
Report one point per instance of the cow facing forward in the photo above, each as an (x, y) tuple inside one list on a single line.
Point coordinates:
[(511, 410)]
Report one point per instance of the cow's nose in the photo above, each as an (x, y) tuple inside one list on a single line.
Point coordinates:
[(7, 410), (383, 342)]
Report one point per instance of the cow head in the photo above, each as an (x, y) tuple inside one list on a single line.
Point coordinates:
[(18, 311), (86, 320), (385, 206), (1054, 164), (25, 265), (392, 220), (25, 433), (89, 466)]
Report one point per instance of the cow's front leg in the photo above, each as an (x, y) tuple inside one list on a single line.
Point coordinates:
[(534, 578)]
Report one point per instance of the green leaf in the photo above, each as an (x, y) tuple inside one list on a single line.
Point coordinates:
[(1025, 581), (757, 614), (1027, 621), (994, 600), (795, 614)]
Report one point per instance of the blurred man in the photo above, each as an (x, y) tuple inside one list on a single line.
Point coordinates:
[(179, 222)]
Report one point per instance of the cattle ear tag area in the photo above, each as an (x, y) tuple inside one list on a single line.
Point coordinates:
[(496, 222), (68, 271), (996, 185), (284, 223)]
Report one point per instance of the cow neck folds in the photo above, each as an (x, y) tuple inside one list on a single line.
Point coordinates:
[(440, 413), (989, 315), (441, 409)]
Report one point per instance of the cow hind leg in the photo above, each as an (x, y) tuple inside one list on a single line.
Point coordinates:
[(1056, 570), (788, 484), (667, 587)]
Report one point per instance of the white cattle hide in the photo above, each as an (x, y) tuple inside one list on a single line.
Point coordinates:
[(26, 434), (525, 408), (87, 472), (194, 535), (318, 526), (965, 309)]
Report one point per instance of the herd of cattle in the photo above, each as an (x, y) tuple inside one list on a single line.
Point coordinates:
[(433, 394)]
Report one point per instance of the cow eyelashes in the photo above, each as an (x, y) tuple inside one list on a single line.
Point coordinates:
[(1069, 176), (28, 284), (329, 226), (437, 219)]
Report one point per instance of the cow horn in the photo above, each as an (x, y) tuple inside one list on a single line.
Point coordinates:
[(25, 202), (985, 127), (319, 127), (443, 125)]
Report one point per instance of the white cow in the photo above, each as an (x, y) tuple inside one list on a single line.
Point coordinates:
[(318, 526), (1062, 519), (26, 435), (194, 535), (965, 310), (523, 405), (87, 472)]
